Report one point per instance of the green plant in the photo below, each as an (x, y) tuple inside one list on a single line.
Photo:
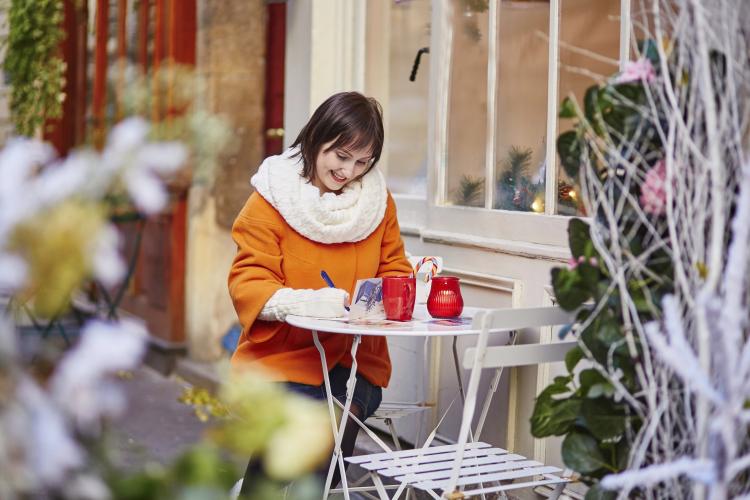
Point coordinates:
[(615, 143), (470, 192), (514, 187), (33, 64)]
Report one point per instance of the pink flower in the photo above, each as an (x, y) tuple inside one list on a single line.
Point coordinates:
[(640, 70), (573, 263), (653, 192)]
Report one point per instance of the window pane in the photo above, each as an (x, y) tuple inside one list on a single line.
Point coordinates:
[(467, 104), (407, 100), (593, 27), (521, 116)]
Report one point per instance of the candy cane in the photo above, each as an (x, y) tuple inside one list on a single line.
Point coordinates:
[(433, 267)]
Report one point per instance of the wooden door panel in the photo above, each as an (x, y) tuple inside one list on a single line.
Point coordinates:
[(166, 35)]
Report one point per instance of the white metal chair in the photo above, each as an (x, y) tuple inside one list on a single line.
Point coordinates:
[(468, 469)]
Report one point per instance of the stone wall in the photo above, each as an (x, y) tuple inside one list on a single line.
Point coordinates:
[(231, 56), (231, 53)]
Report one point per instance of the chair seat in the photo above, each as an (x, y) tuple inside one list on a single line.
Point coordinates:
[(394, 410), (482, 465)]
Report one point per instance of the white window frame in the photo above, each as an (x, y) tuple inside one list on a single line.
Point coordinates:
[(483, 225)]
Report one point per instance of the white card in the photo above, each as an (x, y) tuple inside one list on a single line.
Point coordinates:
[(367, 301)]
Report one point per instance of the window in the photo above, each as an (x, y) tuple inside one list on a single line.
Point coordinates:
[(590, 46), (404, 26), (506, 65)]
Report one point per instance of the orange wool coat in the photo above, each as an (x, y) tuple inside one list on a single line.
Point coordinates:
[(271, 255)]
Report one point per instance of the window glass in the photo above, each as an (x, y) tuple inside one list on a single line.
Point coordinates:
[(589, 51), (521, 113), (467, 104), (406, 121)]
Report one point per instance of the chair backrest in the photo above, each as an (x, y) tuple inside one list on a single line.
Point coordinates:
[(517, 355), (481, 356)]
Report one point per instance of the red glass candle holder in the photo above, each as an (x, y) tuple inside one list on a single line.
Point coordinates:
[(445, 299)]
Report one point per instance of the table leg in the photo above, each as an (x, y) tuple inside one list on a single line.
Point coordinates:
[(457, 366), (337, 458)]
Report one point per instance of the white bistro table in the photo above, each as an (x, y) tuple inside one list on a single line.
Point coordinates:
[(421, 325)]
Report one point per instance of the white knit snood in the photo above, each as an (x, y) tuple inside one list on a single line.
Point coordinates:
[(349, 216)]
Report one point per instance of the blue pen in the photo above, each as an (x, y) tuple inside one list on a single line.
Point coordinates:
[(329, 282)]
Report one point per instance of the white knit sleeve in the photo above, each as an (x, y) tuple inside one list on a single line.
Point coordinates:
[(323, 303)]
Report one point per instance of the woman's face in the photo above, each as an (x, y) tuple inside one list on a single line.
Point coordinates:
[(335, 168)]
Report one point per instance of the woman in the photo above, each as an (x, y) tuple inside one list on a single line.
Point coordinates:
[(319, 206)]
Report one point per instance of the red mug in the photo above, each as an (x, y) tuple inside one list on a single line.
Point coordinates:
[(445, 299), (399, 294)]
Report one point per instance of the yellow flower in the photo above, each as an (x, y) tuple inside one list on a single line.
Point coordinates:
[(304, 441), (702, 270), (56, 245), (292, 433)]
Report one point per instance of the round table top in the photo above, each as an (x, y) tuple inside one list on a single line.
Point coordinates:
[(422, 324)]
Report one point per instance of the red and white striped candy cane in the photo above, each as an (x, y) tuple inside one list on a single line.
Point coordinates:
[(433, 267)]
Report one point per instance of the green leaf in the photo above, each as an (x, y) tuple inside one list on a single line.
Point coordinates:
[(622, 448), (567, 108), (596, 492), (589, 377), (598, 350), (579, 237), (573, 357), (554, 415), (570, 291), (603, 418), (608, 329), (569, 149), (592, 110), (581, 453)]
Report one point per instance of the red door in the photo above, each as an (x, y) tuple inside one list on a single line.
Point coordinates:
[(274, 105), (165, 34)]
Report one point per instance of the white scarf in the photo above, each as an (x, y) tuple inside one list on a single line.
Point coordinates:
[(349, 216)]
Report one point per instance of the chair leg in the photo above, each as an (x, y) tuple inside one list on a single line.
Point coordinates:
[(392, 428), (557, 491), (379, 486), (397, 445)]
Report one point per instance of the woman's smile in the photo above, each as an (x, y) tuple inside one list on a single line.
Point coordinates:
[(338, 178)]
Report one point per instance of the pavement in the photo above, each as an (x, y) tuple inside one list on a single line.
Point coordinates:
[(156, 427)]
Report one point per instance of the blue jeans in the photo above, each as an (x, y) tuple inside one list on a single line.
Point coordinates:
[(366, 396)]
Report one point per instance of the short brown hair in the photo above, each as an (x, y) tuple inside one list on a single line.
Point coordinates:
[(347, 118)]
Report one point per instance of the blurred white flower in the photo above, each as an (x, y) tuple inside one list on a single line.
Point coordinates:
[(8, 344), (107, 263), (40, 429), (146, 190), (13, 272), (19, 161), (140, 162), (61, 180), (78, 384), (87, 487)]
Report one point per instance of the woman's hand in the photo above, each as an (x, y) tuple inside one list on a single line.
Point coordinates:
[(323, 303)]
